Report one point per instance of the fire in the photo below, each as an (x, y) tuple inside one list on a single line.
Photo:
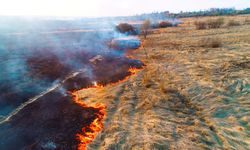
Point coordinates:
[(133, 70), (96, 85), (89, 133)]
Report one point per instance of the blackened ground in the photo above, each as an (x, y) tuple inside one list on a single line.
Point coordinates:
[(11, 98), (51, 122), (78, 82), (108, 69), (111, 70), (47, 66)]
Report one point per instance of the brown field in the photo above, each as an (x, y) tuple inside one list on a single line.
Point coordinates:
[(190, 95)]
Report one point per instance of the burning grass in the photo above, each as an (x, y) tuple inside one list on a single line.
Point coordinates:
[(59, 121), (187, 97), (52, 120), (88, 133)]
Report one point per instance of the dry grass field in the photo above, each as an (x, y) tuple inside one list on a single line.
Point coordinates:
[(190, 94)]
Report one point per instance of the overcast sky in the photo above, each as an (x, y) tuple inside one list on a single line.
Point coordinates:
[(96, 8)]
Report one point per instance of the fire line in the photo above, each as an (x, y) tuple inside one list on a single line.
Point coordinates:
[(89, 133)]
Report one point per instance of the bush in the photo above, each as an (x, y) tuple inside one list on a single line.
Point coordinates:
[(211, 42), (215, 23), (125, 28), (200, 25), (233, 23), (165, 24), (247, 21)]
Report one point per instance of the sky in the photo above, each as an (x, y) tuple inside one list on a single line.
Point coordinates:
[(100, 8)]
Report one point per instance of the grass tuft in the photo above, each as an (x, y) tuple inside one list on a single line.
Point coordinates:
[(215, 23), (247, 20), (232, 23), (200, 25), (211, 42)]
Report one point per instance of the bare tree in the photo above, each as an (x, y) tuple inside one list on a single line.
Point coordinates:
[(145, 28)]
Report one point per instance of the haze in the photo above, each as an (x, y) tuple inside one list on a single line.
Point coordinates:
[(99, 8)]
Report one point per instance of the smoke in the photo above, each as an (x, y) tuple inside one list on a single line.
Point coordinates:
[(40, 65), (36, 53)]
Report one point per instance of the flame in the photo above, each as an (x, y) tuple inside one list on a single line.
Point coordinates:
[(89, 133), (96, 85), (133, 70)]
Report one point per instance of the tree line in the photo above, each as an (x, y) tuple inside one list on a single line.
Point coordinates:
[(210, 12)]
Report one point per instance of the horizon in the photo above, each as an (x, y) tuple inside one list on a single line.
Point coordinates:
[(109, 8)]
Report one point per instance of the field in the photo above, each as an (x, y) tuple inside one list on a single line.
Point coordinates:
[(190, 95)]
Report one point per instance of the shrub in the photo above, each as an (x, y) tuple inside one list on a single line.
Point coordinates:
[(199, 25), (233, 23), (211, 42), (247, 21), (215, 23), (165, 24), (125, 28)]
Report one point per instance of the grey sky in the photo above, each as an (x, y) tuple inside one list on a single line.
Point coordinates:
[(109, 7)]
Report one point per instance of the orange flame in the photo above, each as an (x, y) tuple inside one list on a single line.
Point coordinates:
[(89, 133), (133, 70), (96, 85)]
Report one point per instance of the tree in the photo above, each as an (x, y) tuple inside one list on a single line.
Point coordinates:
[(145, 28)]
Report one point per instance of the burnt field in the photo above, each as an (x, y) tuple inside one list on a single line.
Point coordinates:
[(39, 74)]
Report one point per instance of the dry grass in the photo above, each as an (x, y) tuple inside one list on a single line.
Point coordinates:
[(233, 23), (210, 42), (247, 20), (187, 97), (146, 80), (210, 23), (215, 23), (200, 25)]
